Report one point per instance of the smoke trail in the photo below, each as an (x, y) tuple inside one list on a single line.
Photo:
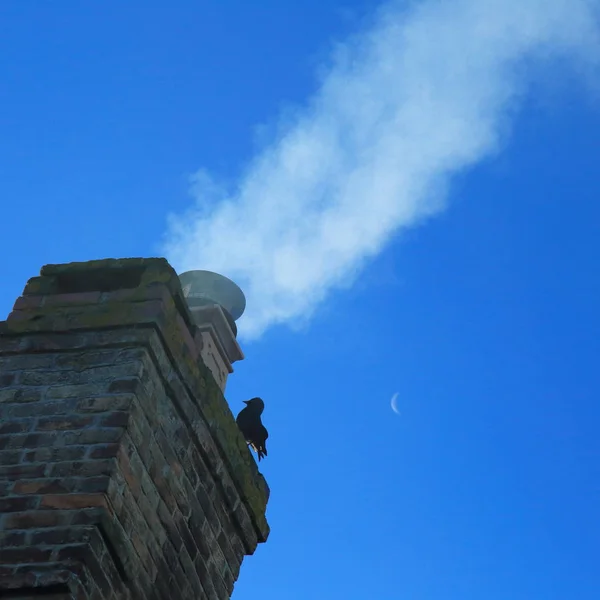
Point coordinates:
[(425, 93)]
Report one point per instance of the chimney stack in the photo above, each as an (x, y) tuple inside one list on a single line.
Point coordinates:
[(123, 475)]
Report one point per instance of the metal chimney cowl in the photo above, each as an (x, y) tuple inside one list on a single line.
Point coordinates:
[(216, 303)]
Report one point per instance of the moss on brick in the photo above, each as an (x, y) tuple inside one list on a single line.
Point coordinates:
[(104, 263), (156, 301)]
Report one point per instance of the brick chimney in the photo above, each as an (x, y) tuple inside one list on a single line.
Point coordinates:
[(122, 472)]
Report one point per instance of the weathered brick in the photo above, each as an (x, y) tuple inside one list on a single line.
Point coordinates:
[(150, 492), (14, 472), (39, 377), (80, 360), (18, 503), (36, 409), (38, 486), (12, 538), (28, 440), (20, 395), (127, 385), (66, 422), (103, 451), (26, 361), (116, 402), (36, 519), (217, 581), (10, 457), (82, 552), (81, 390), (164, 587), (190, 573), (171, 555), (70, 501), (168, 523), (75, 298), (17, 581), (87, 468), (49, 454), (21, 555), (114, 419), (27, 302), (61, 535), (128, 475), (63, 485), (186, 536), (132, 479), (16, 426), (87, 516), (52, 573), (93, 435), (7, 379), (6, 573)]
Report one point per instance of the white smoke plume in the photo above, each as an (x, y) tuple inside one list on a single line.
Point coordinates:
[(426, 92)]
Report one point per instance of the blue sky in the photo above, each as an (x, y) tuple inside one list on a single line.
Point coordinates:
[(482, 316)]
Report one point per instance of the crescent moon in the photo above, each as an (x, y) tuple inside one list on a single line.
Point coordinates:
[(394, 403)]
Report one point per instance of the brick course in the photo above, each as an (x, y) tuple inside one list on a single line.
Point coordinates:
[(122, 472)]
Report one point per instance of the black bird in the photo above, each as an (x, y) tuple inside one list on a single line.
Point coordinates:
[(251, 426)]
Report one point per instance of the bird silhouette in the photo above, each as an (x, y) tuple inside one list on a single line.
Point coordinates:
[(251, 426)]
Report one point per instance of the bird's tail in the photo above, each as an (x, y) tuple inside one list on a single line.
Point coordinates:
[(261, 450)]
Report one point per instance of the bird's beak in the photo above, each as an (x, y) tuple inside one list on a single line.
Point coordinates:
[(246, 401)]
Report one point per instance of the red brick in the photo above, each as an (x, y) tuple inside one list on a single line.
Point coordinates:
[(13, 472), (39, 486), (88, 468), (122, 295), (77, 390), (26, 440), (91, 485), (62, 485), (72, 552), (103, 451), (75, 298), (93, 435), (38, 440), (53, 573), (36, 518), (55, 454), (71, 501), (115, 419), (105, 403), (60, 535), (85, 418), (10, 457), (18, 315), (127, 385), (7, 379), (19, 581), (24, 555), (88, 516), (128, 474), (12, 538), (18, 503), (16, 426), (38, 409), (61, 423), (27, 302), (82, 552), (6, 573), (28, 395)]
